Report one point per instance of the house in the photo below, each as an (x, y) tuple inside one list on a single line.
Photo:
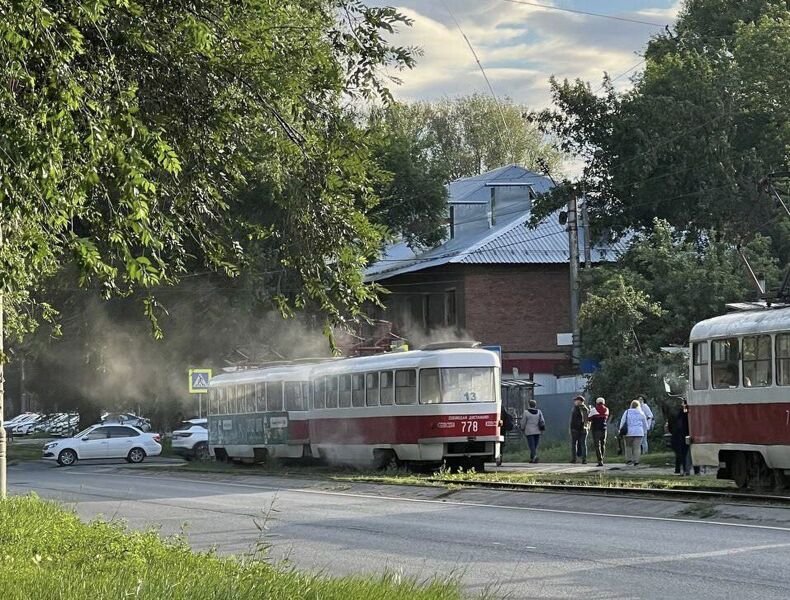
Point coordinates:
[(494, 279)]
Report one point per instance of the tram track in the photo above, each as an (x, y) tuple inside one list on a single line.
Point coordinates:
[(600, 490)]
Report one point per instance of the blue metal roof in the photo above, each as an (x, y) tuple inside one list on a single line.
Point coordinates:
[(510, 241)]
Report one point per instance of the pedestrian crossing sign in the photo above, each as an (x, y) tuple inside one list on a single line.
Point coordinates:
[(198, 380)]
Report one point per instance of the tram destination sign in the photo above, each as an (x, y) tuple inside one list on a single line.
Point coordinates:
[(199, 380)]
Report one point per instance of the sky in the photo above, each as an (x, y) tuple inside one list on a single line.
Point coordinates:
[(521, 46)]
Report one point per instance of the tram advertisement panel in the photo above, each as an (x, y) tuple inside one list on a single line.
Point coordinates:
[(249, 429)]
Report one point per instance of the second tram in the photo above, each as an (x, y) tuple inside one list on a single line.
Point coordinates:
[(739, 396)]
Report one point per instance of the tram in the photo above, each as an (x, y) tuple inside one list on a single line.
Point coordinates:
[(260, 413), (739, 396), (440, 404)]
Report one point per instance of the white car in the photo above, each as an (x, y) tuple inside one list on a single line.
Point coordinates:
[(190, 440), (105, 441)]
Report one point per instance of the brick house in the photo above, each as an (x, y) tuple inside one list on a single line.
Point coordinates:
[(494, 279)]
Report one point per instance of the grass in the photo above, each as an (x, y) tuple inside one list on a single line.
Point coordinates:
[(20, 452), (47, 553)]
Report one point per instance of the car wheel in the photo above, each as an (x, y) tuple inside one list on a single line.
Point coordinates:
[(136, 455), (201, 451), (67, 457)]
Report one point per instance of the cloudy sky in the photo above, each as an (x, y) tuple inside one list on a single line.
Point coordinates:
[(520, 45)]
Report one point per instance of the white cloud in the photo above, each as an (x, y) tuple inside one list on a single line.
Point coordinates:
[(519, 46)]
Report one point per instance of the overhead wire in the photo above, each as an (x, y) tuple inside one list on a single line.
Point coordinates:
[(586, 13)]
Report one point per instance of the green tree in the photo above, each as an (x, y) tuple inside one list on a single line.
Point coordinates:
[(131, 128), (690, 142), (469, 135)]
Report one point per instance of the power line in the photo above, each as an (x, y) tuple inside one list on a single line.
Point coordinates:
[(485, 76), (585, 13), (621, 75)]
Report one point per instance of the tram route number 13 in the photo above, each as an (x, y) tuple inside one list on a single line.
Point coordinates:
[(468, 426)]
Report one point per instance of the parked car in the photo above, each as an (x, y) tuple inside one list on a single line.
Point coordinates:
[(104, 441), (190, 440)]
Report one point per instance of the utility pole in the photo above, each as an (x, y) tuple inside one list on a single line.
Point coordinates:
[(587, 243), (3, 486), (573, 246)]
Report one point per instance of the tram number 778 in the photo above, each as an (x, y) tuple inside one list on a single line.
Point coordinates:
[(468, 426)]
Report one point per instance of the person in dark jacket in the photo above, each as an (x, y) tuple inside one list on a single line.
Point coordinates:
[(679, 429), (579, 427), (599, 419)]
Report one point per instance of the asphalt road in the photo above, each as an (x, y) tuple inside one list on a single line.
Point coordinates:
[(514, 545)]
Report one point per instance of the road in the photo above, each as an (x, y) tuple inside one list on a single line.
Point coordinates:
[(515, 545)]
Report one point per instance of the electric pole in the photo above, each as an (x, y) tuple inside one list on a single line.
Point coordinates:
[(573, 247), (587, 242), (3, 486)]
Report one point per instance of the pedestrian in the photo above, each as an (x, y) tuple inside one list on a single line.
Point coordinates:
[(650, 422), (633, 425), (679, 429), (507, 427), (533, 425), (599, 421), (578, 427)]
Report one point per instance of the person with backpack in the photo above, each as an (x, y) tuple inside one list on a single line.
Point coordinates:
[(533, 425), (599, 421), (633, 425), (578, 428)]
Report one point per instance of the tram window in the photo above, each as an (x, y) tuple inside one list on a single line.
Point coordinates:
[(406, 387), (783, 359), (757, 361), (307, 392), (293, 395), (260, 397), (344, 397), (701, 360), (724, 363), (429, 386), (274, 396), (220, 408), (249, 398), (387, 387), (358, 390), (230, 400), (331, 392), (319, 393), (372, 389), (468, 384)]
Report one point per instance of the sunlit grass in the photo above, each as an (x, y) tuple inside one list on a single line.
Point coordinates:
[(47, 553)]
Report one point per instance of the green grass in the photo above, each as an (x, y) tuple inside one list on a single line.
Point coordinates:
[(20, 452), (47, 553)]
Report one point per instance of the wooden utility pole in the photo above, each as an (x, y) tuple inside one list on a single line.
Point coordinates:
[(573, 247), (587, 242), (3, 485)]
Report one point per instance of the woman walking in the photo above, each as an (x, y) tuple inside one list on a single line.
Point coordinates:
[(533, 425), (633, 426)]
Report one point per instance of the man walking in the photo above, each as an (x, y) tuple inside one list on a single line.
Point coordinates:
[(599, 419), (578, 427)]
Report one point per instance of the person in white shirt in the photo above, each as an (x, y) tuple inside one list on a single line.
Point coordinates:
[(650, 422), (633, 426)]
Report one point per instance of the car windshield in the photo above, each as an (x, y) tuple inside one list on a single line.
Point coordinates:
[(83, 432)]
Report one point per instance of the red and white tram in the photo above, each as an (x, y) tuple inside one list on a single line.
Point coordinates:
[(739, 396), (256, 414), (421, 407)]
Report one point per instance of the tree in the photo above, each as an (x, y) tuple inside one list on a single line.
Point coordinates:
[(469, 135), (702, 126), (130, 128)]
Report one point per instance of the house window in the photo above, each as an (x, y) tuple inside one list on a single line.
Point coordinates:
[(450, 314)]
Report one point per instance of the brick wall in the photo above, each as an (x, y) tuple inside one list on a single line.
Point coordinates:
[(521, 307)]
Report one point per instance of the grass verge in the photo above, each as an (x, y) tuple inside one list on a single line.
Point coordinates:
[(24, 451), (47, 553)]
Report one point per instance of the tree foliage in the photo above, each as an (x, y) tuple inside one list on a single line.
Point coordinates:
[(702, 126), (131, 128), (469, 135)]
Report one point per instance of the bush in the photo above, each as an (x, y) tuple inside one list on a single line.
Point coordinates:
[(48, 553)]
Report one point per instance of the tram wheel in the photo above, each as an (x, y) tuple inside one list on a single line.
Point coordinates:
[(740, 470)]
